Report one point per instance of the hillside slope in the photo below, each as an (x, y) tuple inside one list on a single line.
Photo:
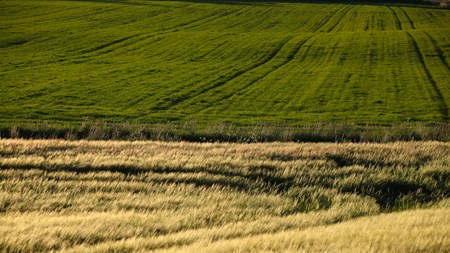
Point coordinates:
[(242, 62)]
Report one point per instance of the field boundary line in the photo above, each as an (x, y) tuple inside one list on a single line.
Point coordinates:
[(443, 107)]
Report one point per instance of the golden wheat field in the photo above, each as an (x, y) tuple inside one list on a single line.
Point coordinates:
[(141, 196)]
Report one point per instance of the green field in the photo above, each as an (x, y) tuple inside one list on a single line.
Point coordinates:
[(120, 196), (247, 63)]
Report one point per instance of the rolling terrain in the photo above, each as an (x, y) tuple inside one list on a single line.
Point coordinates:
[(118, 196), (232, 71), (241, 62)]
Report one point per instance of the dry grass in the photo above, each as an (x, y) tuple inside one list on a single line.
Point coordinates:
[(411, 231), (113, 196)]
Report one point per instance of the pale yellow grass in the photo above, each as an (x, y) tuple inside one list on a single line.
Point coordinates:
[(120, 196), (410, 231)]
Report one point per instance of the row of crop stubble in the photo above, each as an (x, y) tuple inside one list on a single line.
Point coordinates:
[(245, 63), (178, 196)]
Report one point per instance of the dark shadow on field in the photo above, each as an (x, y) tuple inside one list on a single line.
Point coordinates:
[(261, 181), (391, 191)]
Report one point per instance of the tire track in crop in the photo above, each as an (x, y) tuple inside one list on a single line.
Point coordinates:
[(411, 23), (240, 73), (398, 24), (212, 57), (288, 59), (189, 25), (230, 78), (209, 52), (341, 17), (271, 56), (438, 50), (309, 66), (145, 37), (438, 96), (202, 21), (108, 44), (334, 13)]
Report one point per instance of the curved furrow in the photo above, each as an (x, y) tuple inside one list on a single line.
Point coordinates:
[(411, 23), (211, 51), (339, 18), (182, 77), (398, 24), (313, 65), (109, 44), (437, 96), (441, 54), (274, 68), (221, 15), (144, 37), (214, 69), (261, 15), (229, 78), (238, 74), (185, 26), (124, 3)]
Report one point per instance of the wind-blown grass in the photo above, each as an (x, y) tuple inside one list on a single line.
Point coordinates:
[(247, 63), (96, 196)]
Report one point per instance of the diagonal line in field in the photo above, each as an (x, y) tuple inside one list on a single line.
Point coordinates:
[(238, 73), (203, 21), (341, 17), (438, 49), (233, 76), (242, 72), (288, 59), (192, 24), (147, 36), (398, 24), (411, 23), (443, 108), (271, 56), (98, 48)]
